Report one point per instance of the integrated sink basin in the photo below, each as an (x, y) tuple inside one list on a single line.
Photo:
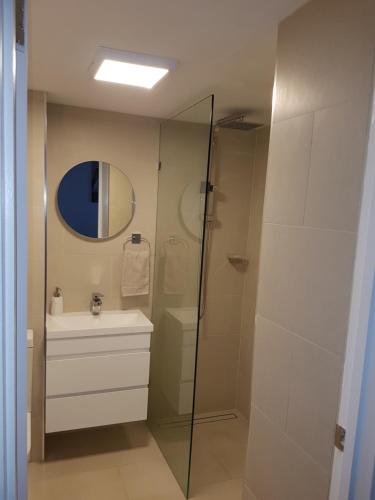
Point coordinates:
[(84, 324)]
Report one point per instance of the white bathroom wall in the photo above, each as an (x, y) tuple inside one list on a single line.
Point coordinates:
[(325, 58), (78, 266), (36, 263)]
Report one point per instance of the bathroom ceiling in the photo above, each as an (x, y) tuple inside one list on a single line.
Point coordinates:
[(225, 47)]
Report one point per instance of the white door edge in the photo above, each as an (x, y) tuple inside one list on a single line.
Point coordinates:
[(13, 257), (358, 326)]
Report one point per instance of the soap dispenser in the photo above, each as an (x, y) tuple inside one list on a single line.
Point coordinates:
[(57, 302)]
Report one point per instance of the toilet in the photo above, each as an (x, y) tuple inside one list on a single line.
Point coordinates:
[(30, 345)]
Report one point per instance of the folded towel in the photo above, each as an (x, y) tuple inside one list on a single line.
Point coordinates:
[(135, 279), (175, 268)]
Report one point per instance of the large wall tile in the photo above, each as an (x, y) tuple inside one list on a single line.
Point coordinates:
[(223, 315), (36, 259), (305, 282), (254, 227), (272, 370), (296, 385), (220, 355), (325, 59), (279, 470), (81, 276), (337, 163), (313, 400), (246, 494), (216, 372), (325, 56), (243, 394), (288, 170), (128, 142)]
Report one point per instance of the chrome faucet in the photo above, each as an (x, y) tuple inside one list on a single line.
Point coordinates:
[(96, 303)]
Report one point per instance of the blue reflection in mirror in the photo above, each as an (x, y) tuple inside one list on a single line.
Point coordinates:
[(78, 196)]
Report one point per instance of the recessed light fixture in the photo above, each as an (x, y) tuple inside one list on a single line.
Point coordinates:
[(130, 68)]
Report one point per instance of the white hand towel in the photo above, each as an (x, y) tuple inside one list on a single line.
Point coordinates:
[(175, 269), (135, 279)]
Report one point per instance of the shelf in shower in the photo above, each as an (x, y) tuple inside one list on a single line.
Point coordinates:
[(237, 259)]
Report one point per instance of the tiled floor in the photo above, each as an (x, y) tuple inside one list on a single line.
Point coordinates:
[(218, 459), (124, 463)]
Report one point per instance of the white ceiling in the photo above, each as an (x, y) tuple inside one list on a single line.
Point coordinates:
[(223, 46)]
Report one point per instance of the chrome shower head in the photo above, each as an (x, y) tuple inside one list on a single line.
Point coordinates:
[(237, 121)]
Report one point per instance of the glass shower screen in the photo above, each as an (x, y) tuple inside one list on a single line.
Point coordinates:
[(184, 164)]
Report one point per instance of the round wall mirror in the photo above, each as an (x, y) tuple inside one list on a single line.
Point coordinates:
[(96, 200)]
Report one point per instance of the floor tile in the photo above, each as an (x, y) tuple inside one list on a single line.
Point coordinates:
[(94, 485), (125, 463), (226, 490), (150, 481)]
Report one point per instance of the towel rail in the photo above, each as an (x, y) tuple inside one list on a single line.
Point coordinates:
[(136, 239), (174, 239)]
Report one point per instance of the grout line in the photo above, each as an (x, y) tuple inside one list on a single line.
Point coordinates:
[(333, 104), (294, 443), (309, 170), (300, 337), (315, 228)]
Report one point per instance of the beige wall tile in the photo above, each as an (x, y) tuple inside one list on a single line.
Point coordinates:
[(216, 372), (244, 375), (131, 144), (325, 59), (305, 282), (205, 468), (248, 305), (223, 315), (279, 470), (288, 170), (324, 56), (272, 370), (36, 258), (313, 400), (337, 163), (239, 171), (246, 494), (219, 342), (220, 271), (83, 275), (254, 227), (296, 385)]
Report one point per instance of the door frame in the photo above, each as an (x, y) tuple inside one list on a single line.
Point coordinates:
[(13, 250), (358, 324)]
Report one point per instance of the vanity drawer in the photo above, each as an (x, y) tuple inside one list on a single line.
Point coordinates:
[(97, 373), (90, 345), (94, 410)]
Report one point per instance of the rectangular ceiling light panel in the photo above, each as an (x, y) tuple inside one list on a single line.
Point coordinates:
[(130, 68)]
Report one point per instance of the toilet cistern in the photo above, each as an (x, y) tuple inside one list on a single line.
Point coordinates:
[(96, 303)]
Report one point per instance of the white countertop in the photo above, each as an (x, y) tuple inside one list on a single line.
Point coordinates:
[(85, 324)]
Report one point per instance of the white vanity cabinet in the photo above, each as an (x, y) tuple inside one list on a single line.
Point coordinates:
[(97, 369)]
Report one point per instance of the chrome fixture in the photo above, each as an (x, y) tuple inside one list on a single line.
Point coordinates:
[(96, 303), (237, 121)]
